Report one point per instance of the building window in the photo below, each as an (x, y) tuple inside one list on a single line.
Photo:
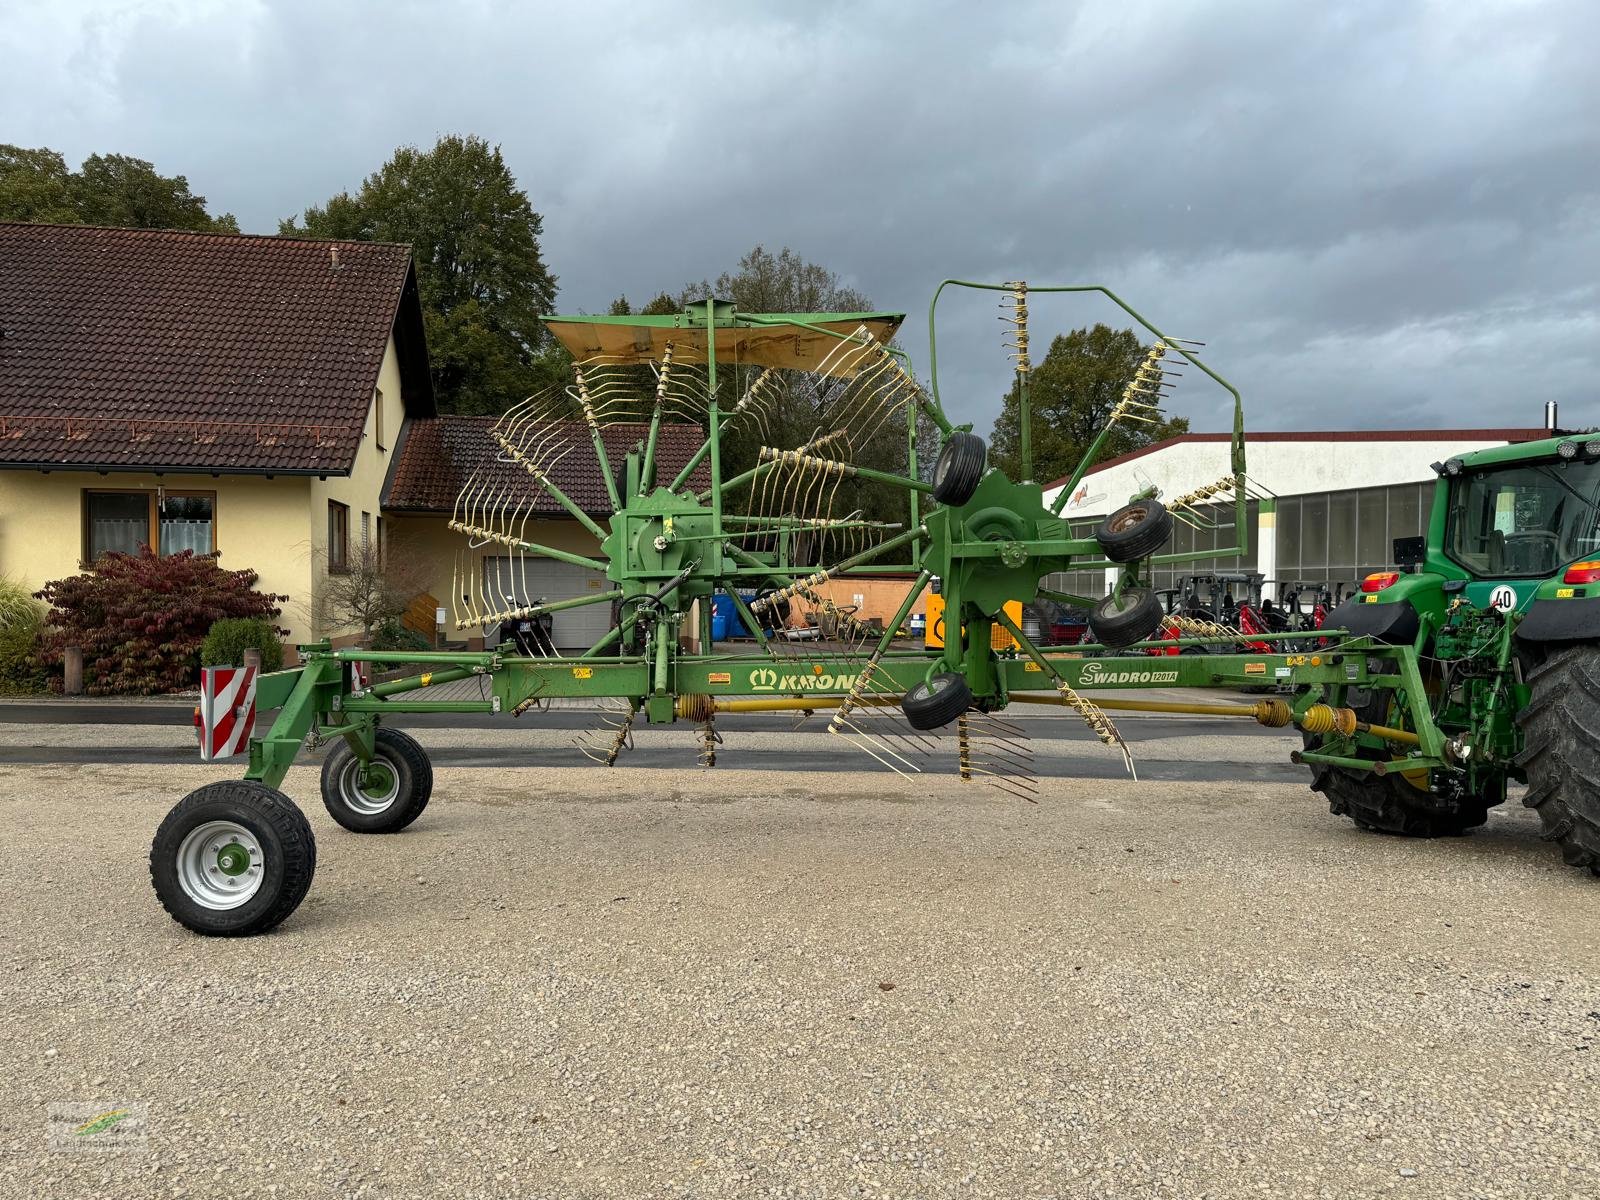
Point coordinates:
[(338, 536), (187, 523), (377, 418), (167, 522), (366, 534)]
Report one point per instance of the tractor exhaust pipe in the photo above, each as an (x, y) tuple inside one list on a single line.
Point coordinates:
[(1550, 415)]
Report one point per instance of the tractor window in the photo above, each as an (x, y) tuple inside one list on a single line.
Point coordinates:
[(1525, 520)]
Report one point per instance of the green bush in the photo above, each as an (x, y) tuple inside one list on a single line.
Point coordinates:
[(391, 635), (17, 605), (21, 621), (230, 637)]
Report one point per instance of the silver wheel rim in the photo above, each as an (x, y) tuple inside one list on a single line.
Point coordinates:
[(220, 865), (368, 801)]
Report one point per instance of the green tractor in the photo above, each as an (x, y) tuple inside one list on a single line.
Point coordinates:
[(1499, 608)]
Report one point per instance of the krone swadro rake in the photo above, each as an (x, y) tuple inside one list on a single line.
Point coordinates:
[(811, 435)]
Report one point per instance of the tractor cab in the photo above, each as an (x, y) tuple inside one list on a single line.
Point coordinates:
[(1514, 517)]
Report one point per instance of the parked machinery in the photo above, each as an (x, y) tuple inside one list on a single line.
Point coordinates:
[(1414, 706)]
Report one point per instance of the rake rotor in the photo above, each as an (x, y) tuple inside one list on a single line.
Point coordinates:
[(794, 525)]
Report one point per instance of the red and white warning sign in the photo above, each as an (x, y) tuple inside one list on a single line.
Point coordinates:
[(227, 712)]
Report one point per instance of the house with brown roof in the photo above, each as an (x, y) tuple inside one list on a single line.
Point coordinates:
[(187, 391), (266, 399)]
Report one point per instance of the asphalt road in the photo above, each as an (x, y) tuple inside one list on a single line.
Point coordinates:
[(1164, 748)]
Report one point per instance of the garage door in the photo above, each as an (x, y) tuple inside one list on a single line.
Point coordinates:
[(529, 580)]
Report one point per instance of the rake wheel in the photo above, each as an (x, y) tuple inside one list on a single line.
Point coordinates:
[(959, 469)]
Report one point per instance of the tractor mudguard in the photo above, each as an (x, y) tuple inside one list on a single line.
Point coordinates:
[(1573, 620), (1393, 624)]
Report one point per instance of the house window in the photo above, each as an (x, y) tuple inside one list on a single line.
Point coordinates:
[(338, 536), (187, 523), (366, 534), (167, 522), (377, 417)]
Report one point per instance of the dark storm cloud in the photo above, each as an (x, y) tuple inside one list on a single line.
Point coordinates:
[(1375, 214)]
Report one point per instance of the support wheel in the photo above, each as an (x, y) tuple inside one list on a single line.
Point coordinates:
[(1119, 621), (1135, 531), (936, 702), (960, 468), (1561, 752), (1400, 804), (232, 859), (385, 797)]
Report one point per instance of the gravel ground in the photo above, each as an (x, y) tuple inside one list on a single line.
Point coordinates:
[(579, 983)]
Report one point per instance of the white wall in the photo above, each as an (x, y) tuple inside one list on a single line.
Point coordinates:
[(1282, 468)]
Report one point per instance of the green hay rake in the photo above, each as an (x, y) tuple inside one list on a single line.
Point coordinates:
[(237, 857)]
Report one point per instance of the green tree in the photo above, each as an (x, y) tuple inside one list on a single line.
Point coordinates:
[(109, 189), (1073, 391), (483, 282), (782, 282)]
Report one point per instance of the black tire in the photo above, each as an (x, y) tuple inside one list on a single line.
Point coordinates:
[(935, 703), (1118, 622), (1561, 752), (1135, 531), (960, 469), (1390, 803), (408, 784), (279, 857)]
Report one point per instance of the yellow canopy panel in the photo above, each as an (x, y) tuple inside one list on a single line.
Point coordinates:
[(800, 348)]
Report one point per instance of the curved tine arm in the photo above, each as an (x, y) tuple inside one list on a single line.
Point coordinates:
[(455, 512), (467, 515), (455, 588), (524, 435), (508, 419), (509, 428)]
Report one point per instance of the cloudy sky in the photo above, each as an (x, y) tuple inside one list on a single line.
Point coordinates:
[(1380, 214)]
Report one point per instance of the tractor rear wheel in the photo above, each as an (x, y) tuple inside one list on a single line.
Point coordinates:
[(232, 859), (388, 794), (1561, 752), (1399, 803)]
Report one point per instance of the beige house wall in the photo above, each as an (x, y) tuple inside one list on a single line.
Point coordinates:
[(277, 527), (259, 524), (360, 491)]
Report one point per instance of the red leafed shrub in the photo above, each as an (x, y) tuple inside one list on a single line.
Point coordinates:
[(141, 618)]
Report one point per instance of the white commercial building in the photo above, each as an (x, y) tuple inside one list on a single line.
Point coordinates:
[(1341, 499)]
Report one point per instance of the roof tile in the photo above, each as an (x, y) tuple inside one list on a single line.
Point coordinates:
[(440, 454), (130, 348)]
